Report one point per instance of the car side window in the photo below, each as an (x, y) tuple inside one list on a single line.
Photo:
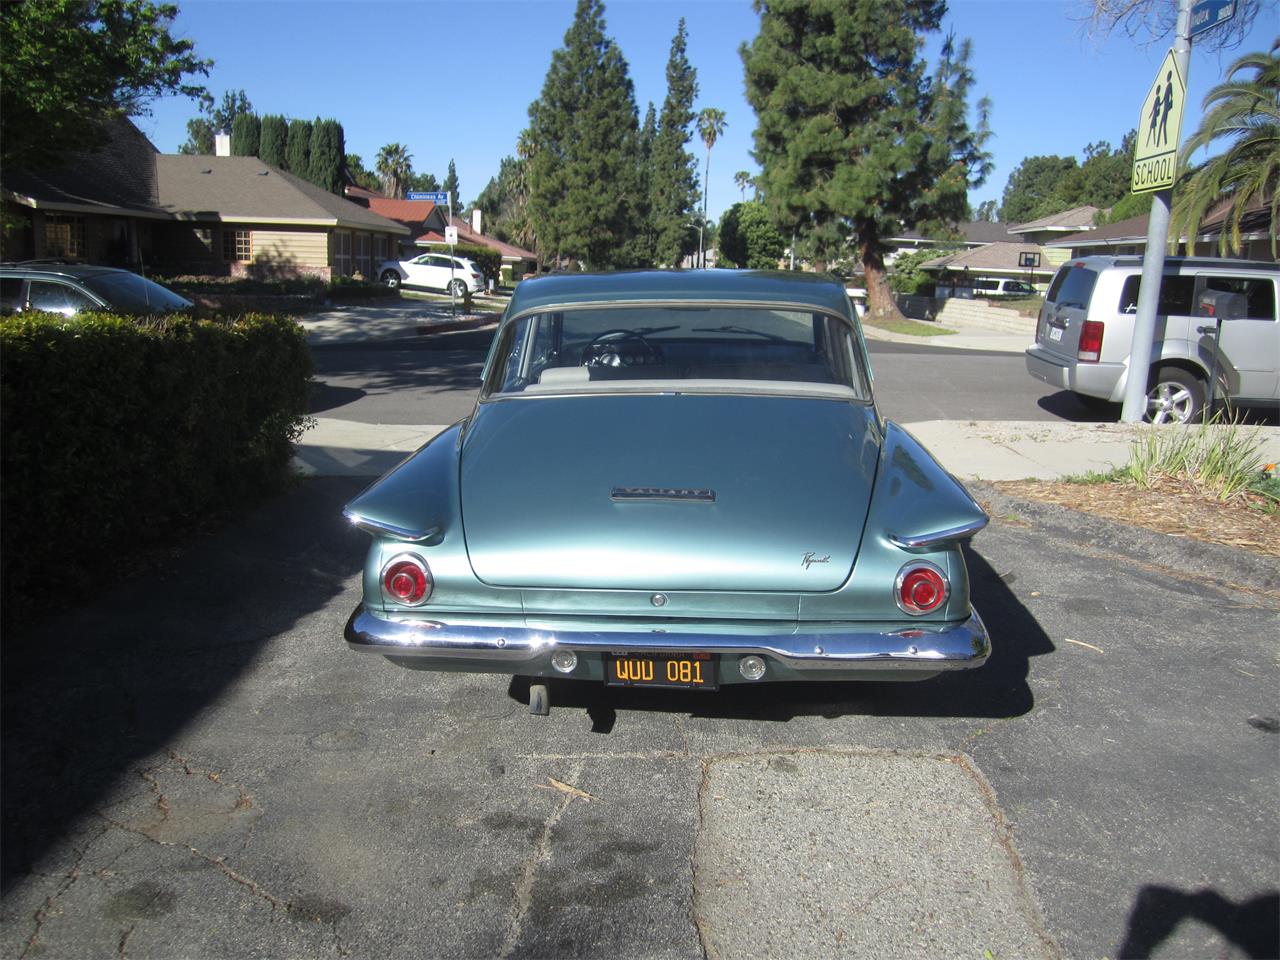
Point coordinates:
[(10, 294), (1259, 293), (1176, 295), (58, 298)]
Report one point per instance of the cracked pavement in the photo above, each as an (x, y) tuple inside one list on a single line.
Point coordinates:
[(195, 765)]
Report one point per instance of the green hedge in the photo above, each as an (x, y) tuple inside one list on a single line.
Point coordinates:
[(486, 258), (120, 433)]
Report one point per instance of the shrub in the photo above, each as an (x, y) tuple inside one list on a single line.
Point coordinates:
[(486, 258), (118, 432)]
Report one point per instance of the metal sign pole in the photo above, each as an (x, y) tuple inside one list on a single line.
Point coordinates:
[(453, 301), (1144, 325)]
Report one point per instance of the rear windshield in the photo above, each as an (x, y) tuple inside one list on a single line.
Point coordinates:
[(686, 348), (130, 293), (1072, 286)]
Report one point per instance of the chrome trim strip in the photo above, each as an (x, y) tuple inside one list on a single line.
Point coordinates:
[(939, 536), (380, 528), (921, 646), (689, 494)]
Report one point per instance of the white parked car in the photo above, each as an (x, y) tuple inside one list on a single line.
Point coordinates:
[(433, 271)]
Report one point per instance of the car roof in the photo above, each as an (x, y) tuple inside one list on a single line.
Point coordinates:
[(1099, 261), (818, 291), (75, 271)]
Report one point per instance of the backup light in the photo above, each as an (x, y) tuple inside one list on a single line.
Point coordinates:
[(566, 661), (751, 668), (406, 579), (921, 587)]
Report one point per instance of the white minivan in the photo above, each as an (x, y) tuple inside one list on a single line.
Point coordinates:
[(1086, 328)]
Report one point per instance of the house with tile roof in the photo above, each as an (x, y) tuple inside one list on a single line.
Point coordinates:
[(1130, 236), (129, 205), (959, 272)]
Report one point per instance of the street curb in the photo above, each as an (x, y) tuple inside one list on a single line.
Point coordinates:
[(452, 326), (1212, 563)]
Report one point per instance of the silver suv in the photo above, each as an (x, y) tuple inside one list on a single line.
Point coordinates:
[(1086, 329)]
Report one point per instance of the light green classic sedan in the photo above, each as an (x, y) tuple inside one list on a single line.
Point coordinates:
[(672, 479)]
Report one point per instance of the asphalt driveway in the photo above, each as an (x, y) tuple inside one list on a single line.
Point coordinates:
[(195, 765)]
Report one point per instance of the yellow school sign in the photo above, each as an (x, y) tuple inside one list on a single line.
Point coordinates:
[(1156, 158)]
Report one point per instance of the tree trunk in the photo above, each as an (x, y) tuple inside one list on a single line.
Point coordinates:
[(880, 302)]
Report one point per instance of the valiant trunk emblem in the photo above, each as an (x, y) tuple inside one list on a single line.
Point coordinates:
[(693, 494), (809, 559)]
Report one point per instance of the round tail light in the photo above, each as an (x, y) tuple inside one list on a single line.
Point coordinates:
[(921, 588), (406, 580)]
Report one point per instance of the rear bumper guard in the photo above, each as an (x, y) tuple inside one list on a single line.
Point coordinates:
[(929, 647)]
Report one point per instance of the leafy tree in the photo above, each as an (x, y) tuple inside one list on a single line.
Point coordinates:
[(987, 211), (1130, 205), (742, 180), (273, 142), (1243, 111), (298, 149), (1032, 189), (394, 164), (328, 151), (853, 136), (425, 182), (584, 131), (356, 169), (451, 186), (1154, 20), (245, 135), (70, 67), (711, 125), (202, 129), (905, 275), (673, 188), (748, 237)]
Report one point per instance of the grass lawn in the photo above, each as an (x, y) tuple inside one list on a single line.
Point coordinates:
[(914, 328)]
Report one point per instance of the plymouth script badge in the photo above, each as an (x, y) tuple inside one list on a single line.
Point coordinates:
[(809, 559), (691, 494)]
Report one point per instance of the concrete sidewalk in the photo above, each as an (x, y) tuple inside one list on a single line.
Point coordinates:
[(970, 449)]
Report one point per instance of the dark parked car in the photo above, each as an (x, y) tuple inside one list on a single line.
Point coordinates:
[(69, 289)]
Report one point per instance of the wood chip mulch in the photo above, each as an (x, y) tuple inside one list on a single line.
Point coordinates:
[(1168, 506)]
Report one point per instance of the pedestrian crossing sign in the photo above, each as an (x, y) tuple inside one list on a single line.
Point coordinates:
[(1155, 159)]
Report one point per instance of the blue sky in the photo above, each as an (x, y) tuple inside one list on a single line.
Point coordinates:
[(455, 79)]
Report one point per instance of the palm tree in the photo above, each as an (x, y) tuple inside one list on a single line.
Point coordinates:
[(710, 125), (743, 180), (394, 166), (1245, 111)]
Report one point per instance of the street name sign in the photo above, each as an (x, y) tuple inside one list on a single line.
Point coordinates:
[(1207, 14), (434, 197), (1155, 160)]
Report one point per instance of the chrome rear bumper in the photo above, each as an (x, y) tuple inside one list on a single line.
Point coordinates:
[(812, 649)]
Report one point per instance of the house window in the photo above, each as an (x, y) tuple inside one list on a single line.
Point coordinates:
[(237, 245), (342, 253), (63, 236), (362, 254)]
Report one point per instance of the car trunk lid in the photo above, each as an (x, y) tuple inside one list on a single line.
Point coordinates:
[(670, 492), (1065, 307)]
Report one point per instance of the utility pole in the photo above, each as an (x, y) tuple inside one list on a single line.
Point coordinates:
[(1144, 324)]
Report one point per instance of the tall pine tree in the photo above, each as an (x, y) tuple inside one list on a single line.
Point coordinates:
[(643, 246), (298, 150), (328, 154), (245, 133), (274, 141), (855, 140), (674, 187), (583, 134), (451, 187)]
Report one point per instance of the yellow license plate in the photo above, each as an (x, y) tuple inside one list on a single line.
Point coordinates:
[(695, 671)]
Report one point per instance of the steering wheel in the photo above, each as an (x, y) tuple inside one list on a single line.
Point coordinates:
[(621, 347)]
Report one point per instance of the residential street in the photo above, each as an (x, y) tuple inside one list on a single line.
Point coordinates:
[(196, 765)]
